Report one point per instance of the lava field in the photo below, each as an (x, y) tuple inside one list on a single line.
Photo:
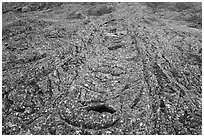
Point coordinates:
[(104, 68)]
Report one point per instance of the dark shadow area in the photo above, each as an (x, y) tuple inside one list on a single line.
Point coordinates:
[(101, 109)]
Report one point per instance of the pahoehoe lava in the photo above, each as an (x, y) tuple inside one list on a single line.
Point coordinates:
[(102, 68)]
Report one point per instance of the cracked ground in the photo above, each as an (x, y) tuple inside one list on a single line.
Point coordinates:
[(101, 68)]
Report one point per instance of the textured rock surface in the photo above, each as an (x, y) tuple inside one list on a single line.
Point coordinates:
[(101, 68)]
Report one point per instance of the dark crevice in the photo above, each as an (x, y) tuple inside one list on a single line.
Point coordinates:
[(170, 89), (127, 86), (115, 47), (162, 106), (30, 59), (101, 108), (184, 117), (160, 75), (136, 100), (195, 59), (21, 110)]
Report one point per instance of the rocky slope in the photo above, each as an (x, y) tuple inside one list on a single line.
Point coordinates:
[(101, 68)]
